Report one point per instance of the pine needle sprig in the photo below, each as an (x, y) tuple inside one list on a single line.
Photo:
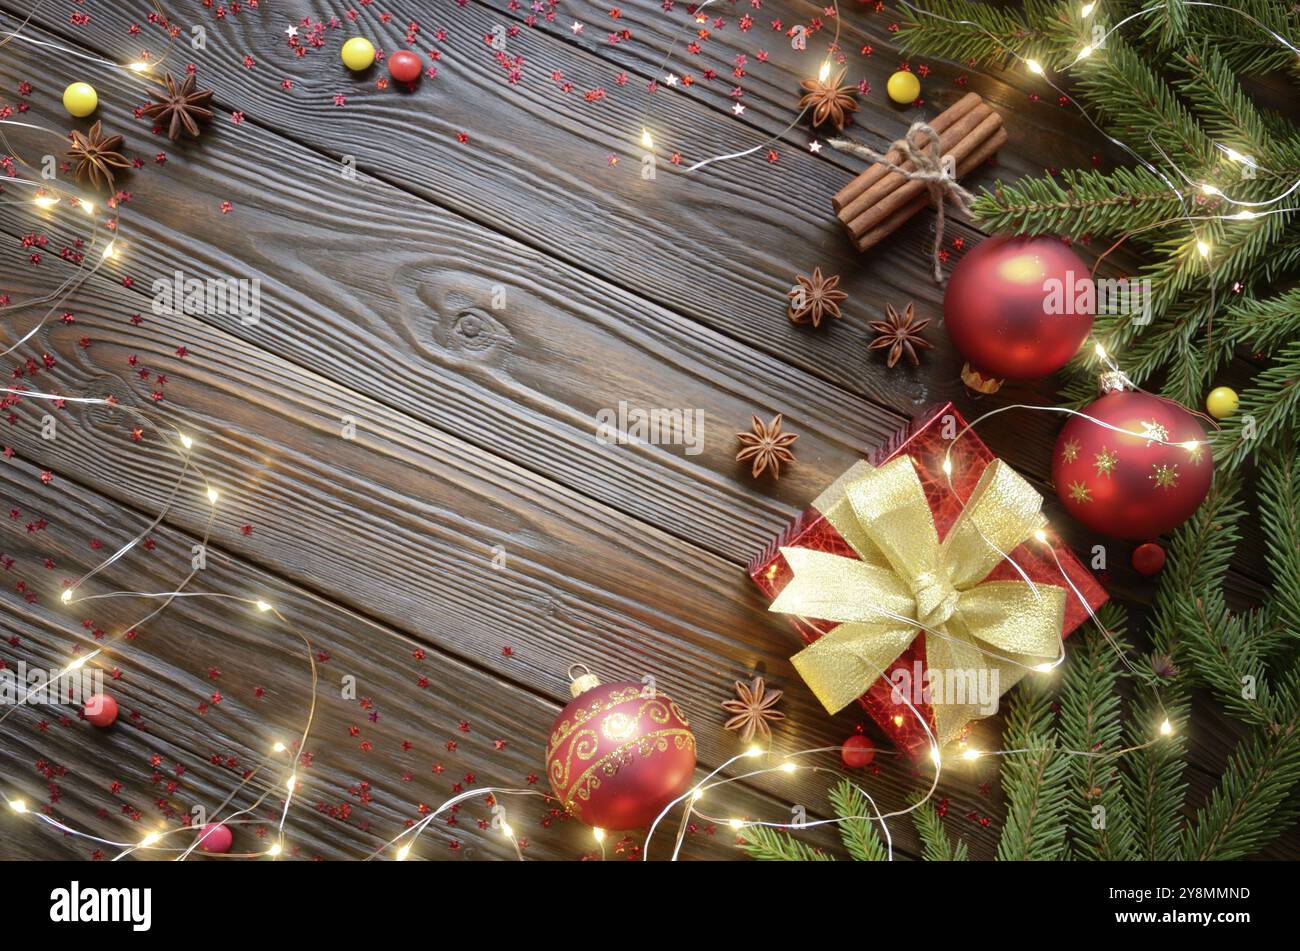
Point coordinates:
[(936, 846), (1091, 720), (858, 833), (1035, 782)]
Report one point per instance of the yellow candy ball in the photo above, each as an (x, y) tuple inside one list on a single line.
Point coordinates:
[(1221, 402), (903, 87), (358, 54), (80, 99)]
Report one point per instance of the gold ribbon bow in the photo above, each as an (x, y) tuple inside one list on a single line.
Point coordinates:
[(904, 580)]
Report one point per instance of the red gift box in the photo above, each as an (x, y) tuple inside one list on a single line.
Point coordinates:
[(926, 441)]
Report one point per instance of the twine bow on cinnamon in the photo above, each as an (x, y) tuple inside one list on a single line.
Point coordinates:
[(938, 172), (918, 171)]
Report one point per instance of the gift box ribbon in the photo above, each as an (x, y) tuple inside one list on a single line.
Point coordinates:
[(905, 580)]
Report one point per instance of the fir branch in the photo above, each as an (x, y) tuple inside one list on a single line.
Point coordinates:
[(1224, 110), (1252, 803), (1154, 789), (1227, 658), (965, 30), (1153, 777), (773, 845), (1268, 414), (1264, 324), (1080, 203), (1100, 828), (858, 833), (1247, 47), (935, 844), (1279, 506), (1036, 782)]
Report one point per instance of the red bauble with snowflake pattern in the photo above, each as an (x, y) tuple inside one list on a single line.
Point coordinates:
[(619, 754), (1140, 479)]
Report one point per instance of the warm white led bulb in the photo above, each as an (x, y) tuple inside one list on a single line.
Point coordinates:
[(274, 850), (598, 834), (1166, 728), (1034, 66), (212, 496), (66, 596), (263, 606), (971, 754), (186, 441), (403, 852), (18, 805)]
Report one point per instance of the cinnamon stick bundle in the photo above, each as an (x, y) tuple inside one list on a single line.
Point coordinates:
[(879, 201)]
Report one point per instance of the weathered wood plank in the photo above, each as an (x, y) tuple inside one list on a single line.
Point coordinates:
[(168, 674), (526, 381), (582, 581), (320, 439), (572, 222)]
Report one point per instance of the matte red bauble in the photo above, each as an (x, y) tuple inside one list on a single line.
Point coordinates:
[(1132, 486), (405, 66), (1148, 558), (619, 754), (1017, 309)]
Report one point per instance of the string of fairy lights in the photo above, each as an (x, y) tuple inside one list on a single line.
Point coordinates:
[(402, 845), (50, 195)]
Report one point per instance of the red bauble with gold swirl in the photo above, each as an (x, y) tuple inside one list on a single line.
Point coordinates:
[(1018, 309), (619, 754), (1132, 486)]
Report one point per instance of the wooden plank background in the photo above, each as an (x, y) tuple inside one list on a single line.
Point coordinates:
[(474, 425)]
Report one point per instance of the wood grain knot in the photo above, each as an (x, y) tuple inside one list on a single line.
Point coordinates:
[(476, 332)]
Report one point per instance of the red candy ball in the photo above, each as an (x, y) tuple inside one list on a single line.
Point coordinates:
[(1015, 310), (215, 838), (857, 751), (1148, 559), (618, 755), (100, 710), (1132, 486), (405, 66)]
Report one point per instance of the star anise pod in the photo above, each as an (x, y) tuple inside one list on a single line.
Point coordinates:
[(829, 100), (766, 446), (901, 333), (814, 298), (753, 710), (96, 155), (180, 106)]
